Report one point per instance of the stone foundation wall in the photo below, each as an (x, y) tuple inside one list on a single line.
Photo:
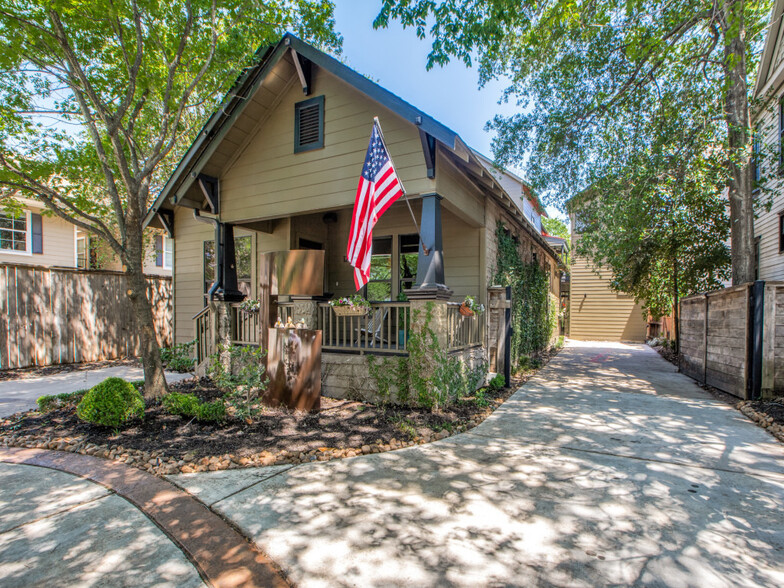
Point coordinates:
[(347, 376)]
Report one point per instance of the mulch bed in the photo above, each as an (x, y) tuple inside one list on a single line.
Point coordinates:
[(768, 414), (34, 372), (165, 443)]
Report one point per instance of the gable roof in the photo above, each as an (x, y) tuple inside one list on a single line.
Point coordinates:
[(772, 59), (249, 81)]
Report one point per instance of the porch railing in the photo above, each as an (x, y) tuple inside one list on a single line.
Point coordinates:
[(244, 326), (204, 336), (462, 331), (383, 330), (285, 311)]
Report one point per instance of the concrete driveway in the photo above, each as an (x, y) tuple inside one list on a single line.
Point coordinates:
[(60, 530), (607, 468), (21, 394)]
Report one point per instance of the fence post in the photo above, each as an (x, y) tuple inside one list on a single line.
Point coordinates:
[(756, 327), (705, 344)]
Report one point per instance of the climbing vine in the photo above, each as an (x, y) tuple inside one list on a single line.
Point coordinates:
[(428, 375), (534, 308)]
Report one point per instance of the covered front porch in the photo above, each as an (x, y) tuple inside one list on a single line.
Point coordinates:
[(407, 291)]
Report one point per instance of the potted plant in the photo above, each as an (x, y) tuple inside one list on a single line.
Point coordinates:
[(353, 305), (471, 307), (250, 306)]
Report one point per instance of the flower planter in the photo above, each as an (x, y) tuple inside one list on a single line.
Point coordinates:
[(465, 311), (349, 311)]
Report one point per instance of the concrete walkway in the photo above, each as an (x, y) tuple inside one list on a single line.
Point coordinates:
[(60, 530), (21, 394), (607, 468)]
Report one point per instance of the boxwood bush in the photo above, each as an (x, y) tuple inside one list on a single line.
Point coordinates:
[(184, 405), (54, 401), (187, 405), (111, 403)]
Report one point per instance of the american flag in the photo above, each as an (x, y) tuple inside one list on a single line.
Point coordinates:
[(379, 187)]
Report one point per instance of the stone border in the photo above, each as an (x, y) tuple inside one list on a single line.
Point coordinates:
[(762, 419), (222, 556)]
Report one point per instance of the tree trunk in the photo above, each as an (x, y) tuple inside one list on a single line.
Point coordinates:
[(676, 310), (737, 117), (154, 378)]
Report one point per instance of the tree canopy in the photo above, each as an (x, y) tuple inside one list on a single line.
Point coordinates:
[(99, 99), (555, 227), (589, 76)]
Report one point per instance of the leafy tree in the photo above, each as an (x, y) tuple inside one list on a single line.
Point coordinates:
[(586, 74), (555, 227), (659, 222), (99, 99)]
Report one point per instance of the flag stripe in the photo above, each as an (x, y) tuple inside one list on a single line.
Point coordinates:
[(379, 187)]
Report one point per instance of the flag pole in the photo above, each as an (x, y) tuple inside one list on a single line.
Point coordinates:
[(425, 250)]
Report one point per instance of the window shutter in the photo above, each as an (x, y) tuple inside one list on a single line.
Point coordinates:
[(158, 250), (37, 233), (309, 124)]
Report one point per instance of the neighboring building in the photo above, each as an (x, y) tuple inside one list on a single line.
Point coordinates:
[(596, 311), (768, 122), (38, 238), (279, 163)]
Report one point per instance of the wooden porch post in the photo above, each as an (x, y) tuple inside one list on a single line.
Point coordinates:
[(430, 264)]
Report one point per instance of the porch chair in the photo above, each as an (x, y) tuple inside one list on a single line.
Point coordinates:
[(375, 327)]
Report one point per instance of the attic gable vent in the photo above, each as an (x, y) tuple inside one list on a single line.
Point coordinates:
[(309, 124)]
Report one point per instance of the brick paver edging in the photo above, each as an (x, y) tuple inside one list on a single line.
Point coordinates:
[(223, 557)]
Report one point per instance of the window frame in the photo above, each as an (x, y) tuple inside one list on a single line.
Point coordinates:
[(400, 278), (781, 134), (391, 280), (298, 107), (781, 232), (28, 236), (164, 250), (86, 240)]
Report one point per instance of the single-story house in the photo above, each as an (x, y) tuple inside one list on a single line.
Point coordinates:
[(277, 167)]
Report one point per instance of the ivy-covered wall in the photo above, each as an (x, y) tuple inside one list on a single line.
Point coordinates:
[(534, 305), (528, 248)]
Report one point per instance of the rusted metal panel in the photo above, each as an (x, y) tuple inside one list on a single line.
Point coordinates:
[(294, 369)]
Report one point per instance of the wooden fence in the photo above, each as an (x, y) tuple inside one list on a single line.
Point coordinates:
[(733, 339), (52, 316)]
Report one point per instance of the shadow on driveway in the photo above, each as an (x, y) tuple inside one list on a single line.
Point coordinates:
[(606, 468)]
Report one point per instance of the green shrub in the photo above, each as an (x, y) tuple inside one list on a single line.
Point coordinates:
[(184, 405), (211, 411), (54, 401), (111, 403), (497, 382), (480, 399), (179, 358), (244, 381), (187, 405)]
